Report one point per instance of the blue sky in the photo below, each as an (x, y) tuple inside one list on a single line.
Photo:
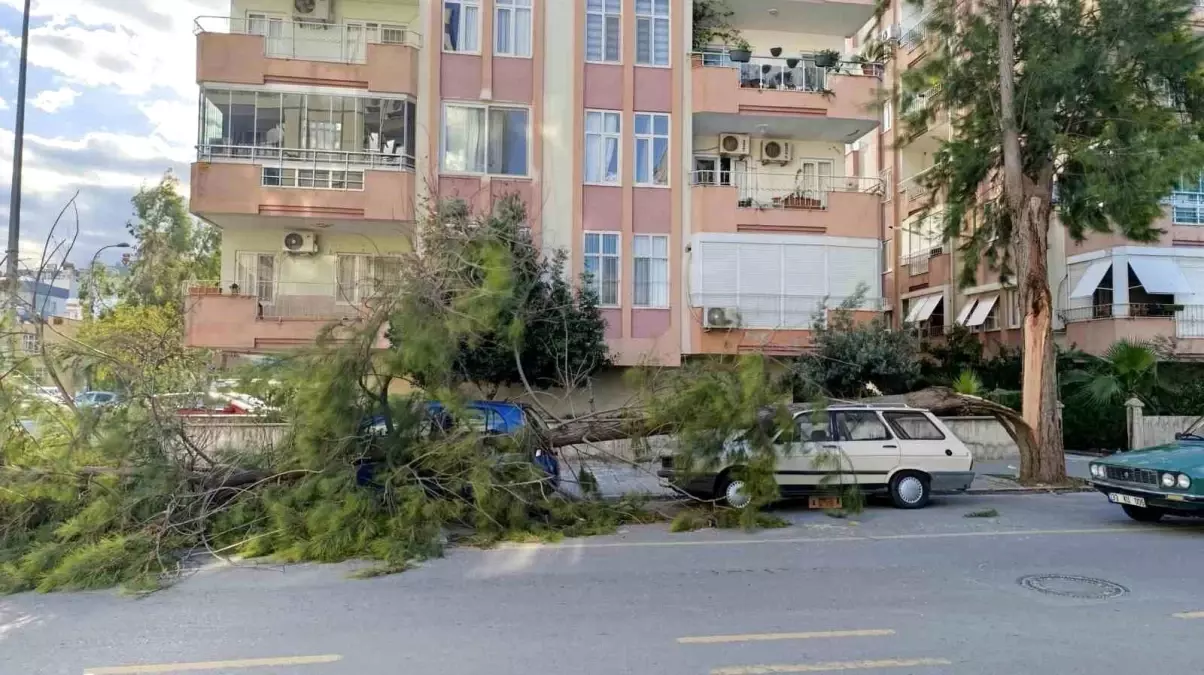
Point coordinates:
[(111, 106)]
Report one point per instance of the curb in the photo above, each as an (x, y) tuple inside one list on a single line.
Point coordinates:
[(1026, 490)]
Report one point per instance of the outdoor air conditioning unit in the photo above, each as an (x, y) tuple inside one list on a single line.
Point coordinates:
[(735, 145), (312, 10), (774, 151), (300, 242), (720, 317), (892, 33)]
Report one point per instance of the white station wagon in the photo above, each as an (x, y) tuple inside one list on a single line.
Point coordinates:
[(905, 452)]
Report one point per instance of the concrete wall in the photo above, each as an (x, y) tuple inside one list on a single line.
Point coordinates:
[(217, 435), (1158, 430), (984, 436)]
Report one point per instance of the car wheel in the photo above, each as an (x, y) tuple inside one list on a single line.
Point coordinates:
[(732, 491), (909, 490), (1143, 514)]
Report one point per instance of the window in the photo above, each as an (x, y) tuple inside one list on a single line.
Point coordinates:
[(359, 277), (40, 374), (316, 179), (602, 265), (992, 321), (888, 115), (485, 140), (255, 274), (713, 170), (652, 32), (651, 258), (812, 427), (461, 25), (913, 426), (603, 30), (1016, 314), (603, 131), (651, 149), (30, 343), (860, 425), (512, 28)]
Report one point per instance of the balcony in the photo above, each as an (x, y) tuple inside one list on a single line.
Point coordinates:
[(378, 57), (271, 315), (786, 202), (916, 195), (929, 267), (787, 96), (775, 324)]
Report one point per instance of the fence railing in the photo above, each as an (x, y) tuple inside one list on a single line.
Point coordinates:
[(918, 262), (787, 73), (770, 311), (312, 40), (913, 31), (785, 190), (329, 301), (912, 187), (1189, 319), (307, 158)]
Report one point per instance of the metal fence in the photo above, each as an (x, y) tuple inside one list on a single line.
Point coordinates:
[(305, 158), (1189, 319), (785, 190), (770, 311), (787, 73), (312, 40), (328, 301)]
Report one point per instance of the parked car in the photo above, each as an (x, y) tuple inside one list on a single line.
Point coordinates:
[(1154, 482), (87, 399), (904, 452)]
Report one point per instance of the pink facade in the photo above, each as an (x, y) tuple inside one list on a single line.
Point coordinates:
[(514, 80), (231, 323), (718, 90), (220, 188), (240, 59), (846, 214), (460, 77)]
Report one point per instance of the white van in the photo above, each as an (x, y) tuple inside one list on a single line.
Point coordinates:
[(898, 450)]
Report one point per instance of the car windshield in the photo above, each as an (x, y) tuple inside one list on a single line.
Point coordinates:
[(1195, 431)]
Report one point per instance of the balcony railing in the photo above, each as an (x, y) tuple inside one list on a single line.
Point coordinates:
[(773, 312), (1143, 310), (306, 158), (913, 31), (918, 262), (784, 190), (330, 301), (912, 187), (786, 73), (312, 40)]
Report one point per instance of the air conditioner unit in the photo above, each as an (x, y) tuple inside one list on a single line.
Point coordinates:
[(892, 33), (301, 242), (737, 145), (774, 151), (312, 10), (720, 317)]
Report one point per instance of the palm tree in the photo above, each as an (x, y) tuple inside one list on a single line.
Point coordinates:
[(1128, 369), (968, 383)]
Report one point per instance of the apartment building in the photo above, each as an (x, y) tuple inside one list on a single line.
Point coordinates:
[(715, 203)]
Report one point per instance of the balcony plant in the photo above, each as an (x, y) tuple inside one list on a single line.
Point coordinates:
[(740, 51), (713, 25), (827, 58), (775, 52)]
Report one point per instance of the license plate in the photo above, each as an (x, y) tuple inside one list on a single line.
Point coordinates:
[(823, 503), (1126, 499)]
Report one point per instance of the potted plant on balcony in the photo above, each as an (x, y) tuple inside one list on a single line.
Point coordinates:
[(775, 52), (792, 62), (827, 58), (740, 51)]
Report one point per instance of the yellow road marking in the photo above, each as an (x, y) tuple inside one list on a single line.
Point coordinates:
[(1189, 615), (765, 637), (824, 540), (214, 665), (830, 666)]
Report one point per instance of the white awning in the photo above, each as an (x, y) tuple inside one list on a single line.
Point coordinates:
[(1159, 275), (916, 305), (929, 306), (962, 315), (1091, 278), (982, 310)]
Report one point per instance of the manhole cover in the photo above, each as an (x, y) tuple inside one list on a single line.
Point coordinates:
[(1069, 586)]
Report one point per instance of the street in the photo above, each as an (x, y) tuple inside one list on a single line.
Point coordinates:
[(891, 591)]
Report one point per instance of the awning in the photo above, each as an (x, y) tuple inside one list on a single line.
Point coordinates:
[(984, 307), (966, 309), (929, 306), (1159, 275), (1091, 278)]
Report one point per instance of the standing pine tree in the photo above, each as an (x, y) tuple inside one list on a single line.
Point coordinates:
[(1101, 99)]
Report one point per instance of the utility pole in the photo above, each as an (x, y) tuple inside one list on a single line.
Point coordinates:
[(14, 200)]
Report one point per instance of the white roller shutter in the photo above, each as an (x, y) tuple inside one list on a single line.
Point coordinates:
[(760, 285), (805, 279), (717, 275), (1190, 322), (849, 268)]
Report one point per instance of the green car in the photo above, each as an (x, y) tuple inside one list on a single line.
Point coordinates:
[(1154, 482)]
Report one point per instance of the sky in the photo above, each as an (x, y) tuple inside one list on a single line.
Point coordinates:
[(111, 105)]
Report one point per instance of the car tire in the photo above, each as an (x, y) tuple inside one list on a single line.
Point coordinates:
[(910, 490), (729, 489), (1143, 514)]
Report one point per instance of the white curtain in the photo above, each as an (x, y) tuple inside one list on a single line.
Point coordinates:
[(464, 139)]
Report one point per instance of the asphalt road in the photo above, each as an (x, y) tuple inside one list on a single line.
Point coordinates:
[(920, 592)]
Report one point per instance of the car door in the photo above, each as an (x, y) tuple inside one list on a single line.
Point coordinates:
[(868, 450), (923, 445), (798, 447)]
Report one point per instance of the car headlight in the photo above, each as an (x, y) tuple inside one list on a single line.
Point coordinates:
[(1184, 481), (1097, 470), (1168, 480)]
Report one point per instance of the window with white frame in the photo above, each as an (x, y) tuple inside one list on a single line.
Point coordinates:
[(603, 134), (485, 139), (651, 149), (652, 32), (1015, 313), (888, 115), (603, 30), (30, 343), (318, 179), (1187, 201), (602, 266), (462, 26), (714, 170), (650, 254), (360, 276), (255, 274), (512, 28)]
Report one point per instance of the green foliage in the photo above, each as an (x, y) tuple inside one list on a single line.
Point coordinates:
[(587, 482), (688, 521), (713, 24), (1128, 369), (1093, 81), (968, 383), (697, 518), (137, 349), (850, 355)]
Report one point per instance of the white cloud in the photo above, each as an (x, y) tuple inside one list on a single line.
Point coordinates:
[(4, 104), (54, 100)]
